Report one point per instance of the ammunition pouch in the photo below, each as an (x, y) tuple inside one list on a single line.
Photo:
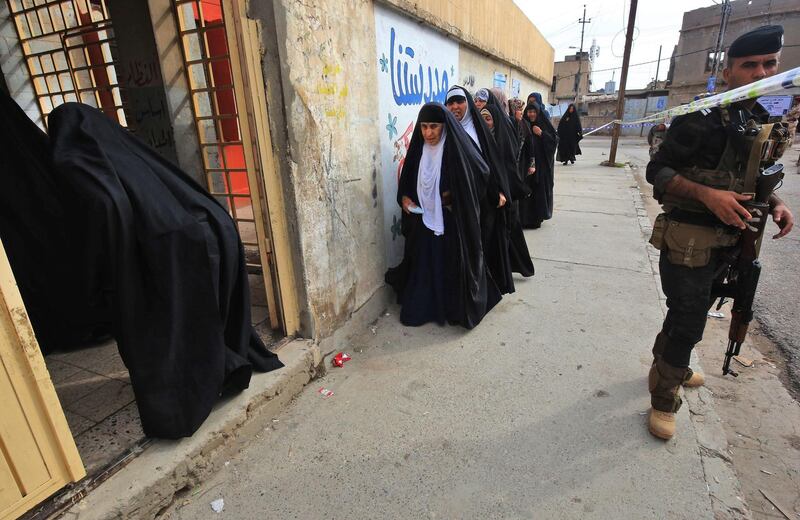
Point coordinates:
[(778, 140), (659, 227), (689, 245)]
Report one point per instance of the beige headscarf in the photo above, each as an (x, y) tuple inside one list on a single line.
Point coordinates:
[(500, 95)]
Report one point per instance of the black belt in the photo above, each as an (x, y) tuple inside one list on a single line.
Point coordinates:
[(698, 219)]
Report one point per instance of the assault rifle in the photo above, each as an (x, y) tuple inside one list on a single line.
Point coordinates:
[(741, 279)]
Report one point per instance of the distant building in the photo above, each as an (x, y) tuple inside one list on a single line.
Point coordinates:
[(565, 76), (611, 87), (600, 108), (691, 64)]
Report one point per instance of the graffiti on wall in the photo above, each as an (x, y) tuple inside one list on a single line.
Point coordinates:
[(332, 90), (147, 111), (415, 65)]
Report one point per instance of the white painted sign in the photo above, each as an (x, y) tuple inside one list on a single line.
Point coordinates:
[(415, 65), (777, 106), (499, 80)]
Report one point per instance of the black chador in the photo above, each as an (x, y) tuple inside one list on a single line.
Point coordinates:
[(507, 139), (539, 206), (155, 259), (494, 223), (34, 236), (570, 133), (443, 276)]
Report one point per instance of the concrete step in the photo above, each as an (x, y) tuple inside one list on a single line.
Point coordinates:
[(167, 470)]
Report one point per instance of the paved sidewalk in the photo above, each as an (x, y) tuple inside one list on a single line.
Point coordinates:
[(537, 413)]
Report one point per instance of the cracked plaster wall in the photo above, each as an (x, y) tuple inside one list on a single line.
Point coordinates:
[(327, 66)]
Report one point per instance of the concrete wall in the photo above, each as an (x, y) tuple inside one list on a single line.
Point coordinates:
[(477, 70), (328, 99), (699, 31), (637, 106), (497, 27)]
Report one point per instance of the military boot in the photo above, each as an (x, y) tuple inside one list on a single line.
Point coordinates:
[(693, 379), (665, 383)]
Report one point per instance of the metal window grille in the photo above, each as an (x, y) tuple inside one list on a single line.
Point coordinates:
[(69, 51), (208, 67)]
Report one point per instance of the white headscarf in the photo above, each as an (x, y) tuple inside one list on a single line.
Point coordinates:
[(428, 177), (466, 122)]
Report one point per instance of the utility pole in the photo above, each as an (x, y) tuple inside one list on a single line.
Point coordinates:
[(723, 25), (655, 86), (612, 156), (583, 21), (658, 66)]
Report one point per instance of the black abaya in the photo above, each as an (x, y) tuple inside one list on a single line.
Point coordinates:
[(34, 236), (539, 206), (570, 133), (494, 220), (507, 140), (469, 291), (159, 260)]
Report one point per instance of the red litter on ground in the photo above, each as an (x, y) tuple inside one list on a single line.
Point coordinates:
[(324, 392), (340, 359)]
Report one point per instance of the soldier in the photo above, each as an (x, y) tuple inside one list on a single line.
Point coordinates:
[(698, 176), (655, 137)]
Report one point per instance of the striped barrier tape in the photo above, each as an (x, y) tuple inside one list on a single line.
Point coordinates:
[(780, 82)]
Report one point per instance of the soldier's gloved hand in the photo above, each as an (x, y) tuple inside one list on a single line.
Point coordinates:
[(726, 206), (783, 218)]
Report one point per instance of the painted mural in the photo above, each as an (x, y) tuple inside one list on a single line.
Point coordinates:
[(415, 65)]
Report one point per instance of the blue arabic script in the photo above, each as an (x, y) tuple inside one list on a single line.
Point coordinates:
[(411, 89)]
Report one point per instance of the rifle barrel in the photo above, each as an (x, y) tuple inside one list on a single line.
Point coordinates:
[(733, 350)]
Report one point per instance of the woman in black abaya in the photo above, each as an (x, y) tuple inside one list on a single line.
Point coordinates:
[(494, 206), (143, 253), (539, 206), (526, 164), (163, 260), (507, 141), (569, 135), (443, 275), (544, 122)]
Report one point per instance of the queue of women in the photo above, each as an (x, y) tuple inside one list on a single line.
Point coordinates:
[(478, 170)]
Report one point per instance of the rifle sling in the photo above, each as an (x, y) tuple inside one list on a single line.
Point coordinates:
[(754, 159)]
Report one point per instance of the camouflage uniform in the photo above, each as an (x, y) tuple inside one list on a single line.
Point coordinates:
[(693, 242)]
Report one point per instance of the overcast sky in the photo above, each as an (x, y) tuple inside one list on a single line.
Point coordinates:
[(658, 23)]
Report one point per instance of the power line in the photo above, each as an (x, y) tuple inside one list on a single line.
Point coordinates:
[(559, 31), (662, 59), (649, 62)]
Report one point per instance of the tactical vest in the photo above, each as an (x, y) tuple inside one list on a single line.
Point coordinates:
[(737, 170), (690, 244)]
